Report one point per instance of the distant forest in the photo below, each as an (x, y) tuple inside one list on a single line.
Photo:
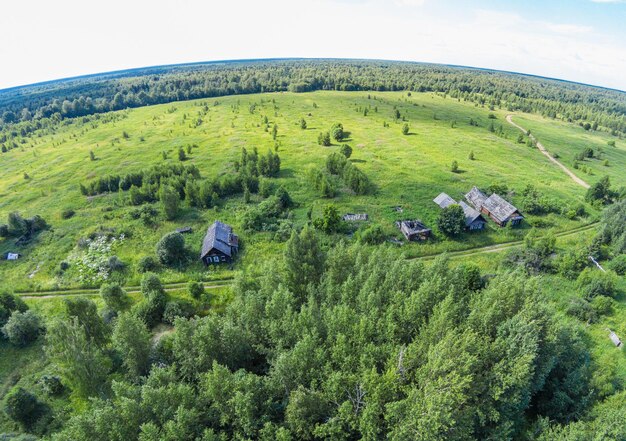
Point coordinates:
[(593, 108)]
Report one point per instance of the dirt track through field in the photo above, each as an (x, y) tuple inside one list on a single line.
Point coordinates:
[(504, 246), (96, 292), (215, 284), (543, 150)]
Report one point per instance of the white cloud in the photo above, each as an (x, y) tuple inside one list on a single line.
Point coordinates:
[(565, 28), (149, 32)]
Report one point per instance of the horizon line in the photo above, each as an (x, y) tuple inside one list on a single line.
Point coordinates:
[(258, 60)]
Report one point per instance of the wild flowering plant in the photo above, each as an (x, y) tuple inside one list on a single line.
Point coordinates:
[(91, 261)]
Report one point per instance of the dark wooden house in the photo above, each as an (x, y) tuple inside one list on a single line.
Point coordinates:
[(494, 206), (220, 244), (413, 230), (473, 219)]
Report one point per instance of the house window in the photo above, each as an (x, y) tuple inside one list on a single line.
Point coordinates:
[(216, 259), (223, 258)]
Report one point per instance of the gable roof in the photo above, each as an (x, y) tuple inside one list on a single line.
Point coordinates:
[(219, 236), (476, 197), (471, 215), (443, 200), (499, 208)]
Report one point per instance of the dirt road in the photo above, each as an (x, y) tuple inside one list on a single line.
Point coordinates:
[(543, 150)]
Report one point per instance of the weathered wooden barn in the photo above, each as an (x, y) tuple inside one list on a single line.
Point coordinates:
[(494, 206), (473, 219), (220, 244), (413, 230)]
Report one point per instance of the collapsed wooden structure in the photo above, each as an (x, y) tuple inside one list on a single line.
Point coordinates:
[(351, 217), (473, 219), (494, 206), (413, 230)]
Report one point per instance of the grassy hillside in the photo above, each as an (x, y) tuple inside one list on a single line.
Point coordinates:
[(43, 175)]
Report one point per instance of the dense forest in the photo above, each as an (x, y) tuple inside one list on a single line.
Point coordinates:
[(340, 343), (592, 107)]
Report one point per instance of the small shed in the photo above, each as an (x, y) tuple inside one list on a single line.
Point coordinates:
[(13, 256), (615, 339), (350, 217), (184, 230), (220, 244), (414, 230)]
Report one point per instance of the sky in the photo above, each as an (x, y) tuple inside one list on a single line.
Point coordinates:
[(576, 40)]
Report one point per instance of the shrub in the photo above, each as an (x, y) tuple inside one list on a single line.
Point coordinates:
[(593, 282), (114, 297), (66, 214), (618, 264), (64, 266), (51, 384), (9, 304), (345, 150), (176, 309), (4, 230), (582, 310), (337, 132), (146, 264), (451, 220), (170, 250), (170, 201), (602, 305), (405, 129), (115, 264), (22, 407), (330, 220), (572, 263), (151, 309), (195, 289), (454, 167), (150, 283), (372, 235), (324, 139), (22, 328), (283, 197), (266, 187)]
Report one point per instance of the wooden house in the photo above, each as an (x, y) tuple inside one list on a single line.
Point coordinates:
[(413, 230), (220, 244), (473, 219), (494, 206)]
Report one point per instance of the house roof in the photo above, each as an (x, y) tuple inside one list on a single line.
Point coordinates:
[(471, 215), (443, 200), (219, 236), (476, 197), (499, 208)]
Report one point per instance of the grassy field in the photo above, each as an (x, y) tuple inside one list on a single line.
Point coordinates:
[(407, 171), (567, 140)]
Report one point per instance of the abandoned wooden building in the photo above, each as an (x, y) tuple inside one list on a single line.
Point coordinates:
[(350, 217), (494, 206), (413, 230), (220, 244), (473, 219)]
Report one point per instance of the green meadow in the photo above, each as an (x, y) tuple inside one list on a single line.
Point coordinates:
[(43, 175)]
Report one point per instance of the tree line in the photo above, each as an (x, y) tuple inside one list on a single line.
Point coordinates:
[(591, 107)]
